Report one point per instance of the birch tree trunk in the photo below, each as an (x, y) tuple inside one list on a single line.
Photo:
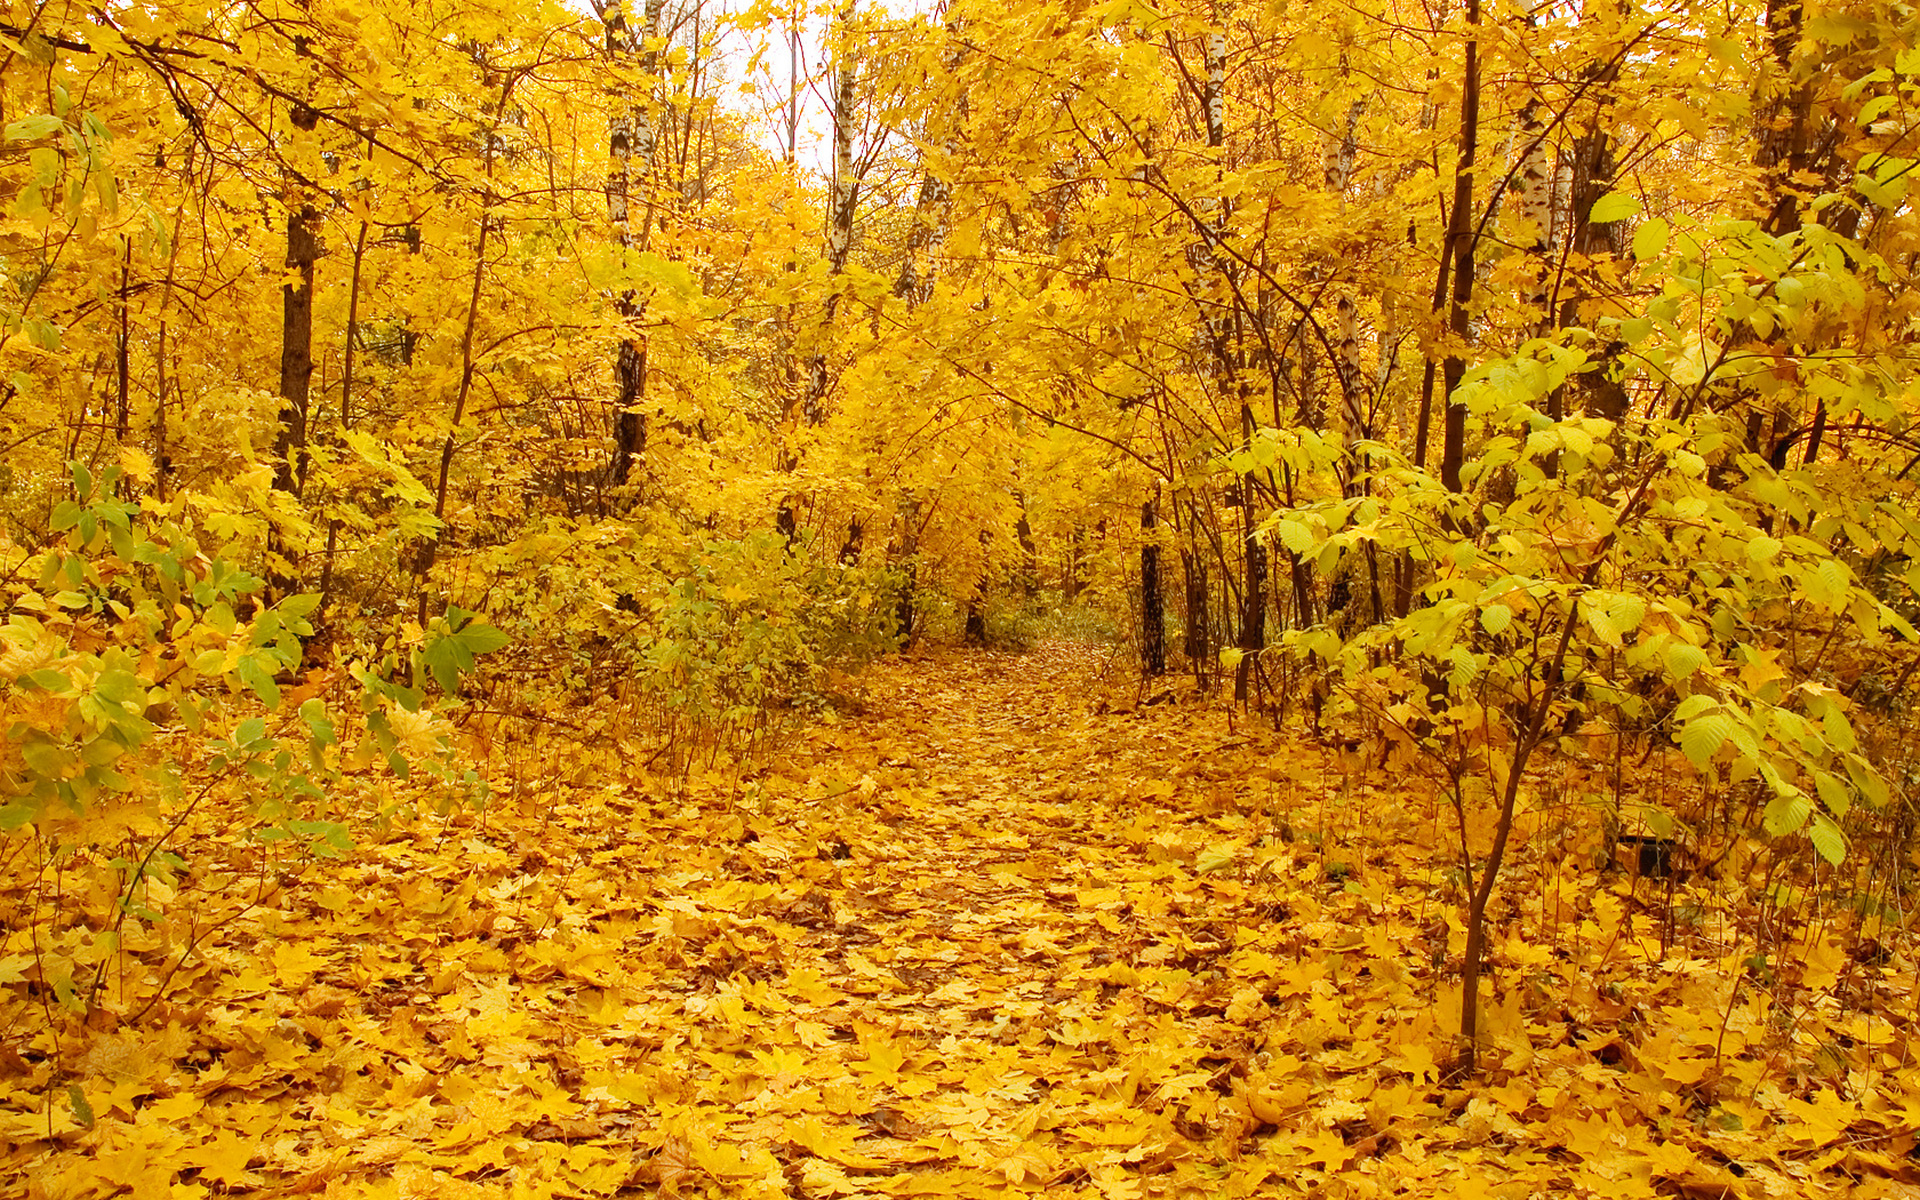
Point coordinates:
[(844, 195), (1252, 634), (1356, 426), (840, 209), (630, 138)]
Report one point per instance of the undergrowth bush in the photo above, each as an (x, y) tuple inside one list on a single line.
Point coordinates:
[(682, 649), (746, 628), (161, 745)]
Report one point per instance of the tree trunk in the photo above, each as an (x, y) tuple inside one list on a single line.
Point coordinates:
[(1153, 608), (123, 347), (296, 347), (349, 359), (630, 138), (844, 195), (840, 210), (1198, 642), (1029, 553), (1461, 237), (1593, 171), (1783, 151), (1341, 153), (975, 633), (296, 362), (1076, 582), (907, 562), (1253, 596)]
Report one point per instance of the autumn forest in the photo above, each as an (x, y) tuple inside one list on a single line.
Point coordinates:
[(1114, 598)]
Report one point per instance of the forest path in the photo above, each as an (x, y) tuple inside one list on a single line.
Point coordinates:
[(1000, 933), (981, 761), (1034, 910)]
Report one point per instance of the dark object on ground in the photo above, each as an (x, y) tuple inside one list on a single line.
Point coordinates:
[(1653, 856)]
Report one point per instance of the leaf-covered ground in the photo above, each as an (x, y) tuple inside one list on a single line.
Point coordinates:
[(1003, 933)]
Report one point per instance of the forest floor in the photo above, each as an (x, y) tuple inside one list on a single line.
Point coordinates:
[(1001, 931)]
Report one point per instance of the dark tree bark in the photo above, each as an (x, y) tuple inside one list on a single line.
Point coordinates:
[(1029, 553), (122, 347), (907, 562), (1593, 171), (296, 362), (1784, 151), (1253, 596), (1460, 248), (1153, 614), (296, 333)]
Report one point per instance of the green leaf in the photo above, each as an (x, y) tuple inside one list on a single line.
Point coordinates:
[(1871, 786), (47, 759), (28, 129), (1839, 730), (319, 724), (295, 607), (440, 660), (260, 680), (1682, 660), (1295, 535), (1626, 611), (1650, 240), (49, 680), (1833, 793), (481, 638), (1702, 737), (1614, 206), (1693, 706), (77, 1100), (1826, 584), (121, 687), (1827, 839), (14, 814), (1787, 813), (1602, 625)]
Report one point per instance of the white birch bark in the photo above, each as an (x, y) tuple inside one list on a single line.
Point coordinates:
[(630, 136), (843, 197)]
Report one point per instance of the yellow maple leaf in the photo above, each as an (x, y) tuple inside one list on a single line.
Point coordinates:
[(1326, 1147), (1416, 1059), (295, 963), (224, 1159), (725, 1160), (1822, 1120)]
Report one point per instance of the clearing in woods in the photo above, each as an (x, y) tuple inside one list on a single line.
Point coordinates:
[(1002, 932)]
